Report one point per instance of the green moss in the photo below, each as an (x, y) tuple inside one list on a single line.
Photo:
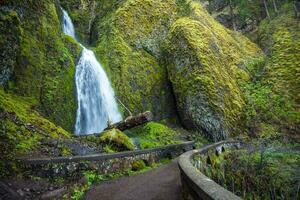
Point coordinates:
[(64, 150), (116, 140), (138, 165), (22, 129), (153, 134)]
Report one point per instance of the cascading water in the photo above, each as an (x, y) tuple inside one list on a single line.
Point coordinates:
[(95, 96)]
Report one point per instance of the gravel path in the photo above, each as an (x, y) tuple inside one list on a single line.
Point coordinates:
[(162, 183)]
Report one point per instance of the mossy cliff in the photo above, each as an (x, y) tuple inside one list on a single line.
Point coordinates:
[(22, 129), (9, 42), (280, 39), (128, 39), (39, 57), (206, 62), (273, 93)]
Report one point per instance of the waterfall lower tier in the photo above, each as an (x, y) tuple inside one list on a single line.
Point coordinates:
[(95, 97)]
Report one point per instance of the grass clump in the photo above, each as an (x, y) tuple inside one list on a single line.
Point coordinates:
[(153, 134)]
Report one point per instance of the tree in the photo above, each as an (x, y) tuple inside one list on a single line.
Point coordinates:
[(266, 9), (232, 15), (296, 7), (275, 6)]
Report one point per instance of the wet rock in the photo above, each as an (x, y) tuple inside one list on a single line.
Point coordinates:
[(20, 192), (55, 194)]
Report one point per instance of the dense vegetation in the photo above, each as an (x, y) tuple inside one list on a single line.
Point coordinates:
[(258, 171)]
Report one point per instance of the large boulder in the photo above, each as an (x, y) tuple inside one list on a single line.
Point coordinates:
[(115, 140), (205, 65)]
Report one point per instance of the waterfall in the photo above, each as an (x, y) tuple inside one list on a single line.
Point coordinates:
[(95, 96)]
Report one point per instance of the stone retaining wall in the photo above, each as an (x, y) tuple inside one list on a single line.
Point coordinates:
[(196, 186), (73, 166)]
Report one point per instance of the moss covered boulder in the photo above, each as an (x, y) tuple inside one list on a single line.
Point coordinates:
[(115, 140), (206, 65)]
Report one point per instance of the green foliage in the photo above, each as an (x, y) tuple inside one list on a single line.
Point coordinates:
[(93, 177), (78, 192), (115, 140), (256, 173), (255, 9), (250, 9), (153, 134), (7, 147)]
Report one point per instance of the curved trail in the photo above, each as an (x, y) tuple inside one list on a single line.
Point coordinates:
[(162, 183)]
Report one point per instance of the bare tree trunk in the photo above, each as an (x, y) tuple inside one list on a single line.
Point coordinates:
[(232, 15), (296, 8), (129, 112), (266, 9), (275, 6)]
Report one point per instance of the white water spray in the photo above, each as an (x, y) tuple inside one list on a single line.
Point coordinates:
[(95, 96)]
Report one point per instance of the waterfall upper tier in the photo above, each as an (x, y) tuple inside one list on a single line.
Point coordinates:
[(95, 97)]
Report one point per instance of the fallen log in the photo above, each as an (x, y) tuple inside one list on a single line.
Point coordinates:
[(132, 121)]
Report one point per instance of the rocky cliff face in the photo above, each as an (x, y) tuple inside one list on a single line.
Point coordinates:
[(38, 59), (146, 49)]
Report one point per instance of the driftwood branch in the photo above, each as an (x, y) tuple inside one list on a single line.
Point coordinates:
[(132, 121)]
